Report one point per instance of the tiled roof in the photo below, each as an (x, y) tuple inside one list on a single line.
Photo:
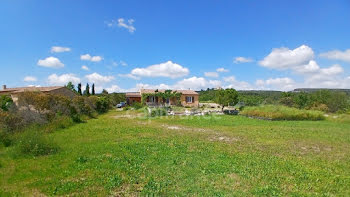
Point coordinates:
[(133, 94), (163, 90), (187, 92), (23, 89)]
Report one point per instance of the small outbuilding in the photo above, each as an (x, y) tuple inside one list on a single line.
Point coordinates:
[(58, 90)]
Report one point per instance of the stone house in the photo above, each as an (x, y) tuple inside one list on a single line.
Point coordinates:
[(58, 90), (188, 98)]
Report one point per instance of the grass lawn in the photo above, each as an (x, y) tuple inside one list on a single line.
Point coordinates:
[(200, 156)]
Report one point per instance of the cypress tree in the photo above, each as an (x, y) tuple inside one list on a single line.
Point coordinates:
[(79, 89), (87, 90), (93, 89)]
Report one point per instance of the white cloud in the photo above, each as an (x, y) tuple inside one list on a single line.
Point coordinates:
[(301, 62), (337, 55), (129, 76), (326, 77), (30, 79), (122, 23), (195, 83), (99, 79), (114, 63), (211, 74), (123, 63), (333, 70), (222, 70), (88, 57), (57, 49), (51, 62), (284, 58), (215, 83), (167, 69), (63, 79), (148, 86), (114, 88), (311, 67), (232, 82), (284, 84), (127, 25), (238, 60), (84, 67), (85, 57)]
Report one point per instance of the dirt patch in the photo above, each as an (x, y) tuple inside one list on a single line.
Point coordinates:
[(214, 136), (124, 116), (173, 127), (176, 127), (131, 116), (315, 149), (223, 139)]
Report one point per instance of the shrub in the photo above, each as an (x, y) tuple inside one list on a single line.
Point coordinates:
[(81, 159), (83, 105), (116, 98), (282, 113), (74, 115), (37, 101), (60, 122), (10, 122), (6, 139), (287, 101), (319, 107), (102, 104), (36, 144), (137, 105), (28, 117), (301, 100), (39, 108), (158, 112), (126, 108), (5, 102)]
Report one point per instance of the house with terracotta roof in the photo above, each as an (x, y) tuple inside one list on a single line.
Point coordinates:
[(151, 97), (58, 90)]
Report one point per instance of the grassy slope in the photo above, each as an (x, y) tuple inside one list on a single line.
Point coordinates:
[(230, 155)]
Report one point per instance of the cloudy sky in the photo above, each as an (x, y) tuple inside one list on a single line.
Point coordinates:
[(126, 45)]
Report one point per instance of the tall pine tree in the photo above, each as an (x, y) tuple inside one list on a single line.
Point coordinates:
[(93, 89), (87, 90), (79, 89)]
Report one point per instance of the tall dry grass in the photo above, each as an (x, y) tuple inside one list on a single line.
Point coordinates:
[(279, 112)]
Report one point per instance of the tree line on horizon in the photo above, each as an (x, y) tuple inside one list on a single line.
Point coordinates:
[(322, 100), (86, 92)]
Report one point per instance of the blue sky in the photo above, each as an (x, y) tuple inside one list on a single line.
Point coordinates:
[(127, 45)]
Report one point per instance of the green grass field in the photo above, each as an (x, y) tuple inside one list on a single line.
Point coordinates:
[(198, 156)]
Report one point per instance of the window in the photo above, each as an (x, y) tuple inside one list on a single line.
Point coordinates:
[(189, 99), (152, 99)]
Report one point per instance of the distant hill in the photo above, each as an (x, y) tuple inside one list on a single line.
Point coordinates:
[(318, 89)]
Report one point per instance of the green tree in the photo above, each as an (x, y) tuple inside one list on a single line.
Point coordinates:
[(339, 102), (301, 100), (104, 92), (70, 86), (87, 90), (93, 89), (227, 97), (79, 89)]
